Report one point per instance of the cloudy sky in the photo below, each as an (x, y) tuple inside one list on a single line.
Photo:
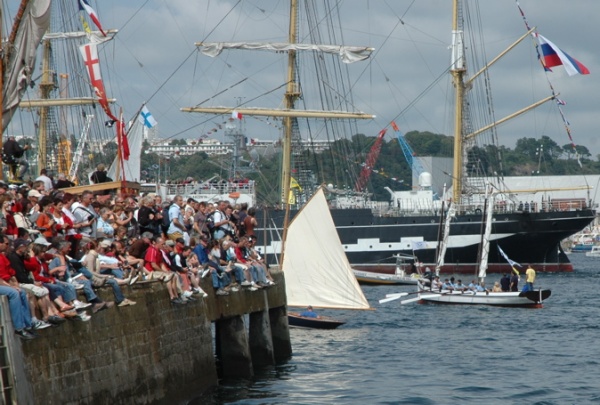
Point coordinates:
[(153, 60)]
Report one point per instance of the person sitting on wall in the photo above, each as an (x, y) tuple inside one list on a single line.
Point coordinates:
[(100, 175), (62, 182), (13, 156)]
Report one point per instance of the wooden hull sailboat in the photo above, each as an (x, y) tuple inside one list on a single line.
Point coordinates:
[(322, 322), (316, 269)]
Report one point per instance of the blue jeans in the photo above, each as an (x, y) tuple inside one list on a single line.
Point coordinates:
[(220, 282), (118, 273), (61, 289), (258, 274), (19, 307), (239, 274), (112, 282)]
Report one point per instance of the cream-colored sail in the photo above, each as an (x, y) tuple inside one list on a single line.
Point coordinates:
[(316, 269)]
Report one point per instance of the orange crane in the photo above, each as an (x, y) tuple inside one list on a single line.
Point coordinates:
[(367, 167)]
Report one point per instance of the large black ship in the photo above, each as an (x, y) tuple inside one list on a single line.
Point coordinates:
[(372, 241)]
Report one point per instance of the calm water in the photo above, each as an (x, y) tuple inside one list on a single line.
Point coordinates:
[(429, 354)]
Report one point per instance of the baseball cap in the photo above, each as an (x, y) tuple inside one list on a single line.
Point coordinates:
[(105, 243), (40, 240), (34, 193), (20, 242), (170, 242)]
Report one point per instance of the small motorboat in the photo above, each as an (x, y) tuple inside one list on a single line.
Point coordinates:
[(322, 322)]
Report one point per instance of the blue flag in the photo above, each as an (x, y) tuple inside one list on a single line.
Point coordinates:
[(146, 118)]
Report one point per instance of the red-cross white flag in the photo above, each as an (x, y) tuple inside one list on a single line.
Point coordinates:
[(92, 65)]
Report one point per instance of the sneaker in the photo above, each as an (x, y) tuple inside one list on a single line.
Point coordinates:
[(125, 303), (80, 305), (201, 292), (178, 301), (133, 280), (23, 334), (38, 325), (98, 307), (235, 288), (191, 299), (253, 288), (205, 273), (221, 291), (269, 282), (78, 286), (255, 285), (56, 320), (246, 283), (83, 317), (187, 294)]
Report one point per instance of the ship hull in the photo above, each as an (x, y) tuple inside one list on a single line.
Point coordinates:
[(371, 242)]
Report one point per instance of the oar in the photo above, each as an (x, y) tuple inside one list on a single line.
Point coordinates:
[(392, 297), (417, 299), (396, 295)]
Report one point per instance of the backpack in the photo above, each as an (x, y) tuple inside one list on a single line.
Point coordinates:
[(210, 222), (166, 222)]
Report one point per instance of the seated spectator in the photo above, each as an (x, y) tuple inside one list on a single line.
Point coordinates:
[(497, 287), (158, 268), (436, 284), (62, 294), (17, 297), (37, 294)]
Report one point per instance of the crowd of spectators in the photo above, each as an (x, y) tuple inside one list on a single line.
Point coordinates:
[(53, 243)]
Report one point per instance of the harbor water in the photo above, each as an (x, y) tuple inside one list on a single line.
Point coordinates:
[(431, 354)]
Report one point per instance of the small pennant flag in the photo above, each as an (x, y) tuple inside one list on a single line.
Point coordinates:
[(146, 118), (553, 56), (85, 6), (511, 262), (236, 115)]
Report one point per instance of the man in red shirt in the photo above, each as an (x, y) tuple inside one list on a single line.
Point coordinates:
[(156, 262), (17, 298)]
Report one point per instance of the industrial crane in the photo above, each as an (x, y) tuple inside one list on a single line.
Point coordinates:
[(413, 161), (367, 167)]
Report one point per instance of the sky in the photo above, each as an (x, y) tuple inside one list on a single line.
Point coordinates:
[(153, 59)]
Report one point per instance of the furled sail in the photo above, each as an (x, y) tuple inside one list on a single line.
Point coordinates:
[(22, 55), (349, 54), (485, 243), (131, 168), (316, 269), (444, 242)]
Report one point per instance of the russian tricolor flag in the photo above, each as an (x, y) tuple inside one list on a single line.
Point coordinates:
[(553, 56)]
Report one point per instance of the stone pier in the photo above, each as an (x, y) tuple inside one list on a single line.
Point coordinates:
[(153, 352)]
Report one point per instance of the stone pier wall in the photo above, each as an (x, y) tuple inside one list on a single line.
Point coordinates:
[(153, 352)]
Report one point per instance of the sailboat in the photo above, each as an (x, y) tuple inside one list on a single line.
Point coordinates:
[(526, 299), (317, 272)]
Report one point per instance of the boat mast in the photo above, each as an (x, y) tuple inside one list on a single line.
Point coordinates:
[(458, 71), (291, 95)]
